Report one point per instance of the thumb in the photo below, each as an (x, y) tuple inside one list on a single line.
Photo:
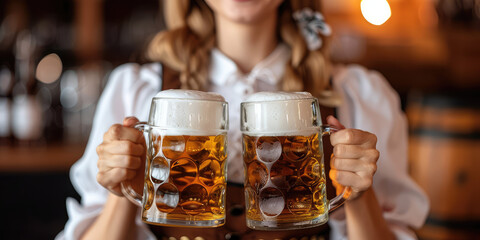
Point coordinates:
[(130, 121), (332, 121)]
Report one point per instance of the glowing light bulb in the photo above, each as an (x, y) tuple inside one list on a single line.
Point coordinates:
[(376, 12)]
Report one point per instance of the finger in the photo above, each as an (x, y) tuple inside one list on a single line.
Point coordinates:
[(333, 121), (346, 164), (120, 132), (351, 136), (370, 156), (120, 161), (120, 147), (130, 121), (357, 166), (111, 179), (350, 179), (348, 151)]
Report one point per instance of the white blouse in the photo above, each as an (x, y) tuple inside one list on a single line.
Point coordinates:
[(369, 103)]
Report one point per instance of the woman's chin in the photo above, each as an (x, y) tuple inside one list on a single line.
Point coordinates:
[(244, 11)]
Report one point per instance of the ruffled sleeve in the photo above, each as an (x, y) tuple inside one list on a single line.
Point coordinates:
[(128, 93), (370, 104)]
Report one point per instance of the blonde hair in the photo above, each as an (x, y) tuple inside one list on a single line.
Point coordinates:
[(190, 35)]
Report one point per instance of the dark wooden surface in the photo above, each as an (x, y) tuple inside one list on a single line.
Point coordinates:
[(57, 157), (35, 184)]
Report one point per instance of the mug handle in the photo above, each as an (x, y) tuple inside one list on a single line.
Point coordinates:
[(126, 187), (339, 200)]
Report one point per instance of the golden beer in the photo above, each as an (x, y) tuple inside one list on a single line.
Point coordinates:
[(185, 179), (285, 181), (283, 160)]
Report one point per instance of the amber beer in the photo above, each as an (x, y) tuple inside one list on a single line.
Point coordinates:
[(283, 160), (185, 181), (284, 178), (186, 178)]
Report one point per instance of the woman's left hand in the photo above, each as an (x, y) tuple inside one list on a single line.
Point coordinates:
[(354, 160)]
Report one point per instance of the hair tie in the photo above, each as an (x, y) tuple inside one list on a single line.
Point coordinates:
[(311, 24)]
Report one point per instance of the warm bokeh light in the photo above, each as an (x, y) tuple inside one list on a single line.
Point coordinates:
[(49, 68), (376, 12)]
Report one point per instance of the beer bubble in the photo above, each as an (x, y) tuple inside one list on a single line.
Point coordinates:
[(199, 147), (183, 172), (193, 199), (257, 175), (173, 146), (210, 172), (271, 202), (269, 149), (299, 200), (216, 199), (283, 174), (166, 197), (159, 169), (150, 193), (296, 148)]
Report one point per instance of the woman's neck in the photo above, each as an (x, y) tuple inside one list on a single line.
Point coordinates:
[(246, 44)]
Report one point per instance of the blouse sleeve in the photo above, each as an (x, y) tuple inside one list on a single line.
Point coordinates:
[(127, 93), (370, 104)]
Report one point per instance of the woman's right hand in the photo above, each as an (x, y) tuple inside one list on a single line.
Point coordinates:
[(121, 157)]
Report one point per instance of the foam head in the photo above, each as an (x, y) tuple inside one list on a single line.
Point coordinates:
[(280, 114), (190, 94), (189, 112), (278, 96)]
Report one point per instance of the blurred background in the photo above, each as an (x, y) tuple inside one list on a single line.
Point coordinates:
[(56, 56)]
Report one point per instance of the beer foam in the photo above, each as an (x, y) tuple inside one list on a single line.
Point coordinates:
[(281, 114), (190, 94), (278, 96), (189, 112)]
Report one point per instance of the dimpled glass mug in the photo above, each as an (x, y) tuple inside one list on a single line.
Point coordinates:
[(283, 159), (185, 178)]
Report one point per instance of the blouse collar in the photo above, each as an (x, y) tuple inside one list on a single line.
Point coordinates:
[(270, 70)]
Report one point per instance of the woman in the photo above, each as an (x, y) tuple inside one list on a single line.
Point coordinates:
[(236, 47)]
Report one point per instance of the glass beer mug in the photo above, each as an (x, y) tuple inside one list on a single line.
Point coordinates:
[(186, 157), (283, 159)]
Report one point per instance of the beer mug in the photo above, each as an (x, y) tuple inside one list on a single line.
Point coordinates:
[(185, 179), (283, 158)]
